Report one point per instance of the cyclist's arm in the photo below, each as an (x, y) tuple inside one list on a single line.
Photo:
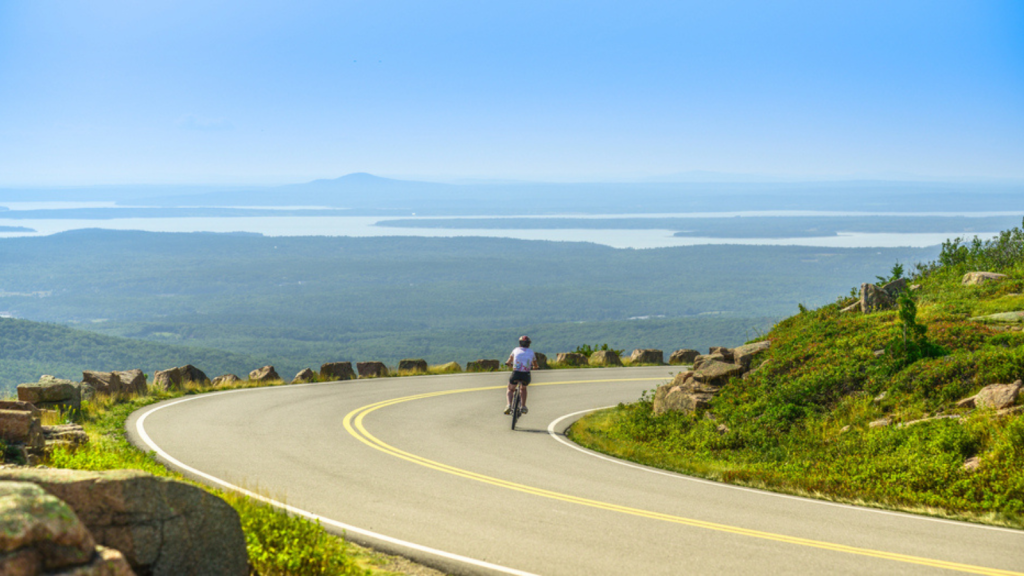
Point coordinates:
[(509, 361)]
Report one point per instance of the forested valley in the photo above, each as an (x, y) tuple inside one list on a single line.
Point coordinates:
[(238, 300)]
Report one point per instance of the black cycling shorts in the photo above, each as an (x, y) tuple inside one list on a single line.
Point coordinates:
[(523, 377)]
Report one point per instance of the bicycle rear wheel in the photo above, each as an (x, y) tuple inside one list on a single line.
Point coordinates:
[(516, 408)]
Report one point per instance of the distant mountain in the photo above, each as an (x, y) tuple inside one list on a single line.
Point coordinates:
[(366, 194), (359, 191)]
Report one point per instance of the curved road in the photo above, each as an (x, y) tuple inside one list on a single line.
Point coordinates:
[(427, 467)]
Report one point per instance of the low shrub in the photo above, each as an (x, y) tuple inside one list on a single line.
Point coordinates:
[(587, 350), (280, 544)]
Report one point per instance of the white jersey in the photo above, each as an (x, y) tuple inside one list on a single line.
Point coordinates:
[(522, 359)]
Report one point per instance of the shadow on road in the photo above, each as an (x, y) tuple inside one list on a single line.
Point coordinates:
[(532, 431)]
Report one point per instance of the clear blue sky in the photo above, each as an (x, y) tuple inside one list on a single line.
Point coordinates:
[(208, 91)]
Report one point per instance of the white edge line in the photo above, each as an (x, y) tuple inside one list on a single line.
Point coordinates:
[(139, 426), (560, 437)]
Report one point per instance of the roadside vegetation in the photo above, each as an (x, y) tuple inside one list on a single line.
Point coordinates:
[(278, 544), (833, 411)]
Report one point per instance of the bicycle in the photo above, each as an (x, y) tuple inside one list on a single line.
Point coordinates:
[(517, 406)]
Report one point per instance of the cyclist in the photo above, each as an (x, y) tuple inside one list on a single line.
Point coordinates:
[(522, 360)]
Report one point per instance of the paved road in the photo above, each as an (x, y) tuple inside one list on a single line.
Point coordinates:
[(428, 467)]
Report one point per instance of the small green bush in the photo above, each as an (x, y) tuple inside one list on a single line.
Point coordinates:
[(587, 350), (912, 344), (280, 544), (998, 253)]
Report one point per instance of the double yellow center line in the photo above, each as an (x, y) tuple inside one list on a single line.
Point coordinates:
[(354, 423)]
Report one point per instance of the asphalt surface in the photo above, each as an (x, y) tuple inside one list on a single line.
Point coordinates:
[(427, 467)]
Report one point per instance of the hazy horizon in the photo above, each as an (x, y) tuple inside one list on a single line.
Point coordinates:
[(691, 177)]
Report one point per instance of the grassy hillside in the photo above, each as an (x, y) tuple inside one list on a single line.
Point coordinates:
[(802, 423), (30, 349)]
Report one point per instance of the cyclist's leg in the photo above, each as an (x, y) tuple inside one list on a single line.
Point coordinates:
[(508, 393), (525, 379)]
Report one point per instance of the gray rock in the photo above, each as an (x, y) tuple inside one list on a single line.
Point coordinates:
[(717, 373), (22, 406), (725, 353), (372, 369), (701, 359), (448, 368), (604, 358), (647, 356), (106, 562), (190, 373), (683, 394), (133, 382), (976, 278), (483, 366), (85, 392), (21, 427), (929, 419), (117, 383), (332, 371), (103, 382), (744, 355), (571, 359), (225, 380), (70, 436), (413, 365), (161, 526), (1011, 411), (542, 361), (998, 396), (873, 298), (51, 394), (1001, 318), (305, 375), (265, 374), (169, 379), (894, 288), (855, 307), (683, 356), (176, 378), (39, 533)]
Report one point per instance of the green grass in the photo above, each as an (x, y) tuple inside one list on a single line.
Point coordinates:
[(800, 424), (278, 544)]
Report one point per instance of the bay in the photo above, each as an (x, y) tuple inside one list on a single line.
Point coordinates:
[(363, 226)]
